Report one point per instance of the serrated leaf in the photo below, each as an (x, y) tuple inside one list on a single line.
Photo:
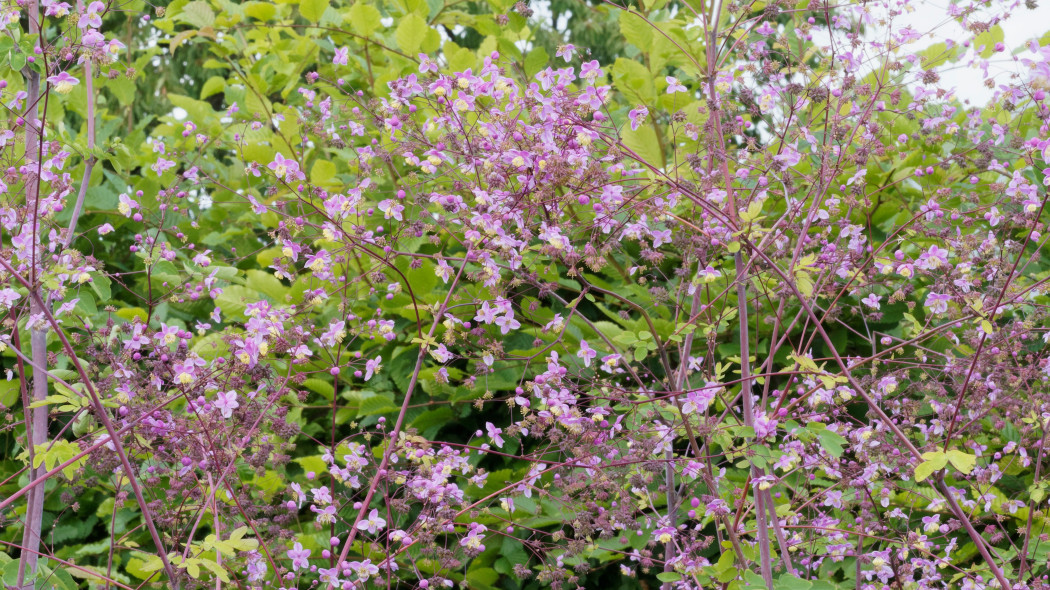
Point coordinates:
[(536, 61), (964, 462), (364, 18), (832, 442), (198, 14), (213, 85), (410, 33), (934, 461), (312, 10), (790, 582), (151, 564), (645, 144), (634, 79), (260, 10), (376, 404), (216, 569), (636, 31)]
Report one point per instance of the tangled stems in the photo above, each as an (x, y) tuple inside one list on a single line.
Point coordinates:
[(761, 320)]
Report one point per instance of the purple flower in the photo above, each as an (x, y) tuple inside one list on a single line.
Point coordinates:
[(938, 302), (591, 70), (472, 542), (63, 82), (586, 353), (227, 403), (494, 434), (872, 301), (285, 167), (673, 85), (637, 117), (372, 366), (426, 64), (698, 400), (373, 523), (565, 51), (299, 557)]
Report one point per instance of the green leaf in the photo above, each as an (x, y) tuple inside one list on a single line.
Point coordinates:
[(101, 285), (198, 14), (138, 568), (636, 31), (364, 18), (482, 577), (312, 9), (428, 423), (934, 461), (536, 61), (634, 79), (214, 85), (260, 10), (235, 299), (216, 569), (377, 404), (669, 576), (964, 462), (754, 581), (267, 284), (461, 59), (832, 442), (151, 564), (789, 582), (645, 143), (410, 33), (9, 393), (322, 172)]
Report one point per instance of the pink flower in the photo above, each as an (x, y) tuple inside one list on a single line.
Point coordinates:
[(472, 542), (591, 70), (227, 403), (609, 362), (699, 400), (341, 56), (89, 19), (993, 217), (494, 434), (673, 85), (56, 9), (565, 51), (299, 557), (8, 296), (373, 523), (63, 82), (286, 168), (872, 301), (938, 302), (637, 117), (372, 367), (586, 353), (426, 64)]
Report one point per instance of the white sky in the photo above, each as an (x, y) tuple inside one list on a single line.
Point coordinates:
[(930, 18), (1022, 26)]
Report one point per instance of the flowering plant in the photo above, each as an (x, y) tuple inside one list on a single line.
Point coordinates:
[(757, 303)]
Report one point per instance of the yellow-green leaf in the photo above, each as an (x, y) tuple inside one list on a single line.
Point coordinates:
[(964, 462), (636, 31), (644, 142), (364, 18), (410, 33), (312, 9), (934, 460)]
